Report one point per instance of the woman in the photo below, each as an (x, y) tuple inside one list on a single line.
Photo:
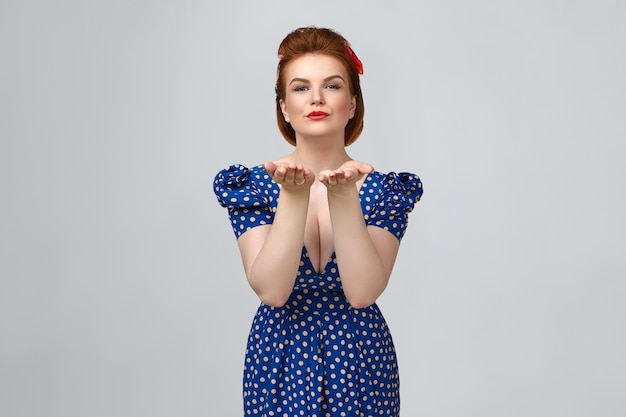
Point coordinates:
[(319, 256)]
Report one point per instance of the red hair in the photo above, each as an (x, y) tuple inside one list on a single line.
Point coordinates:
[(308, 40)]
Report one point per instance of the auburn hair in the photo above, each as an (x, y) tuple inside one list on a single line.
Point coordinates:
[(325, 41)]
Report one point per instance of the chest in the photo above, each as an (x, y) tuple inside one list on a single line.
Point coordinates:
[(318, 232)]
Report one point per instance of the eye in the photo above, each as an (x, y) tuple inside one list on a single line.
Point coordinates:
[(300, 88), (333, 86)]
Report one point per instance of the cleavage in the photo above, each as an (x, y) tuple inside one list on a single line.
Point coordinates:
[(318, 235)]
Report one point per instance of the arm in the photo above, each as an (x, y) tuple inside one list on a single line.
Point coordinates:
[(271, 253), (365, 255)]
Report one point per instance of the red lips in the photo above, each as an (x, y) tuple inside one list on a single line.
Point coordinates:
[(317, 115)]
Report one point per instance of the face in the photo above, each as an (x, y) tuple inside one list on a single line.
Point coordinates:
[(317, 96)]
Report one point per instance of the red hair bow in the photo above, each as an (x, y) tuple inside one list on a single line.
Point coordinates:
[(357, 62)]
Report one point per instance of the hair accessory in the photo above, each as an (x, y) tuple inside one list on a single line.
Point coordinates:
[(357, 62)]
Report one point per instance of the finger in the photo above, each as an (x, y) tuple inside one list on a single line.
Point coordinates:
[(299, 175), (361, 167), (350, 174), (270, 167), (291, 173), (323, 175), (365, 168)]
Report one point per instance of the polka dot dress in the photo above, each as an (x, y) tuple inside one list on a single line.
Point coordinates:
[(317, 356)]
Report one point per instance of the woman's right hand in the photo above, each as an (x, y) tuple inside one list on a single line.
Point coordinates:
[(290, 176)]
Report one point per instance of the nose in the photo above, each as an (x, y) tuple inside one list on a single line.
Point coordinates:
[(317, 96)]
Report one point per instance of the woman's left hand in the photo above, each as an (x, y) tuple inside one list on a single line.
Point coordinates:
[(347, 174)]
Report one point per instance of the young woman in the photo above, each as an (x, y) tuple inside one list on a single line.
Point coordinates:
[(318, 234)]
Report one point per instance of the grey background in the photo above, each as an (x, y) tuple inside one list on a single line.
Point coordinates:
[(122, 292)]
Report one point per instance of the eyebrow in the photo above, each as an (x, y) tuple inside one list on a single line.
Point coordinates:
[(304, 80)]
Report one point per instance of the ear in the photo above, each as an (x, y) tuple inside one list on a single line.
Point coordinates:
[(352, 106), (283, 108)]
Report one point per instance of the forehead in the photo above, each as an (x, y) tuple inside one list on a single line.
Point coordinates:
[(314, 65)]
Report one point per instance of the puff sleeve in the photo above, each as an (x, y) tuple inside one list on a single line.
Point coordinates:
[(249, 194), (399, 193)]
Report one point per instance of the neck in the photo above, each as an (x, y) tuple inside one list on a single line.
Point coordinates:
[(319, 153)]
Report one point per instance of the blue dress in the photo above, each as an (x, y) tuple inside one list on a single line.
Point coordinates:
[(317, 356)]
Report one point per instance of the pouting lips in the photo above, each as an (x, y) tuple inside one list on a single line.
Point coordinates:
[(317, 115)]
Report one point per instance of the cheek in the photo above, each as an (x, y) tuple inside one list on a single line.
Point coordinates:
[(291, 103), (349, 105)]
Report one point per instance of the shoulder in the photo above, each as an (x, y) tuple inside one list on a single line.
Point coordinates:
[(388, 198), (238, 175), (400, 183), (239, 182)]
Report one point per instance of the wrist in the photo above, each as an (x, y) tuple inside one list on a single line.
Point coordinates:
[(342, 191)]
